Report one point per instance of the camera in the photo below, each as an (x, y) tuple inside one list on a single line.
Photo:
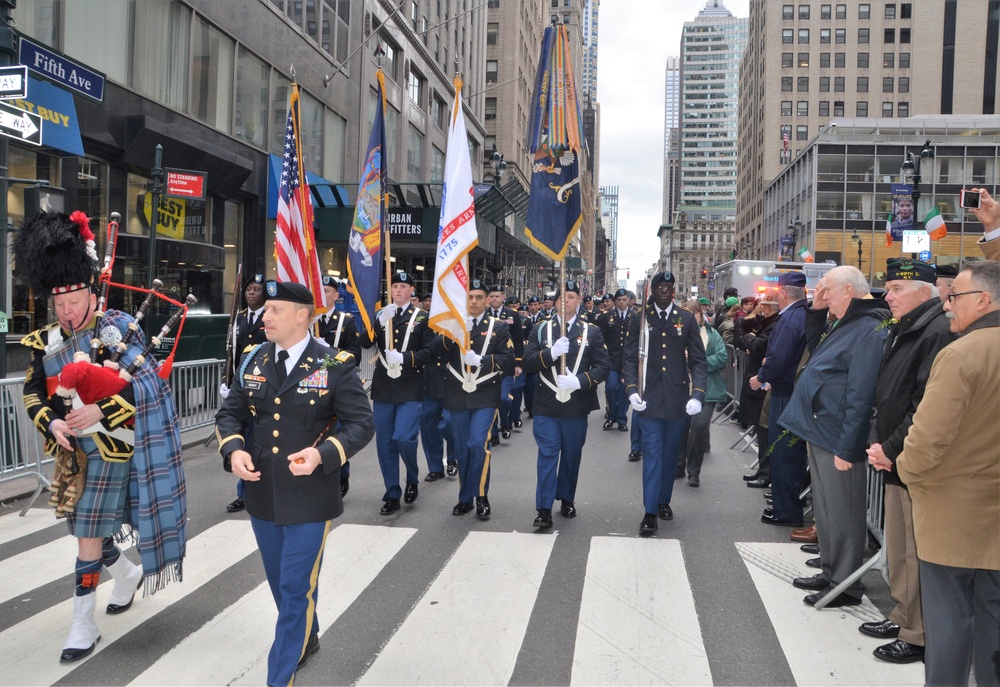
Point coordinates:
[(969, 199)]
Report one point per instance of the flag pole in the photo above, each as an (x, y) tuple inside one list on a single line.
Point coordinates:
[(562, 311)]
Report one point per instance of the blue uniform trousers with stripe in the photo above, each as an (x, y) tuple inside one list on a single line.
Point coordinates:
[(660, 444), (471, 429), (560, 448), (504, 417), (396, 428), (292, 556), (434, 432), (614, 396)]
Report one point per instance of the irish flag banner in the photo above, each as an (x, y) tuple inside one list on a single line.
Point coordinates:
[(935, 225)]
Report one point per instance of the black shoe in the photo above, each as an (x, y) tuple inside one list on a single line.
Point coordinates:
[(312, 646), (461, 508), (751, 477), (758, 483), (234, 507), (345, 486), (769, 519), (452, 469), (815, 583), (410, 495), (494, 440), (648, 524), (768, 494), (665, 513), (899, 652), (505, 432), (568, 509), (389, 506), (483, 510), (814, 563), (769, 512), (434, 476), (622, 427), (884, 629), (634, 456), (810, 548), (530, 415), (518, 424), (694, 481), (73, 655), (837, 602), (115, 609), (543, 519), (768, 500), (608, 424)]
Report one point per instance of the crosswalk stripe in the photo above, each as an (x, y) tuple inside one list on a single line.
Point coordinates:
[(36, 519), (31, 648), (226, 651), (822, 647), (468, 627), (40, 565), (638, 624)]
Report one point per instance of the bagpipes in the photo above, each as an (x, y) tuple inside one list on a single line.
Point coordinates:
[(88, 380)]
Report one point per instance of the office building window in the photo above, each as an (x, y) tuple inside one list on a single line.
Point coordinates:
[(803, 11), (864, 11), (415, 154), (803, 86), (803, 35), (905, 10), (802, 108), (491, 109), (491, 70), (890, 10), (838, 108), (903, 85), (863, 36), (801, 132), (825, 11), (787, 60), (904, 60), (160, 69), (841, 36), (903, 110), (492, 33), (824, 60), (803, 59), (887, 84), (862, 84), (788, 36), (862, 110), (437, 165), (416, 85), (889, 60), (838, 84), (391, 59), (824, 35), (786, 108), (890, 36), (788, 11), (862, 60), (439, 113), (250, 116), (886, 109), (904, 35), (841, 11), (840, 60), (824, 108), (824, 84), (334, 145), (786, 84)]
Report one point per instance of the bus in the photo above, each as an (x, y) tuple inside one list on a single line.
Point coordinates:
[(756, 277)]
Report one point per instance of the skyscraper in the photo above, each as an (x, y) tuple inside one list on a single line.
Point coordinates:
[(671, 139)]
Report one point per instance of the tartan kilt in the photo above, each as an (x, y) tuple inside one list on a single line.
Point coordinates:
[(100, 512)]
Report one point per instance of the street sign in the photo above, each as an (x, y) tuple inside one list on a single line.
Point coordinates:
[(13, 82), (925, 255), (185, 183), (915, 241), (711, 285), (61, 69), (3, 322), (20, 125)]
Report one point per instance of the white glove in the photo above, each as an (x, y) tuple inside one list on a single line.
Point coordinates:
[(568, 382), (693, 407), (385, 315), (560, 347), (637, 403), (472, 359), (468, 324), (224, 391), (393, 357)]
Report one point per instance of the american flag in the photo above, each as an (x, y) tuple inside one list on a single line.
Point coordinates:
[(294, 238), (784, 140)]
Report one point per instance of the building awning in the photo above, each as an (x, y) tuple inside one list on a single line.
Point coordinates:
[(325, 193), (495, 203)]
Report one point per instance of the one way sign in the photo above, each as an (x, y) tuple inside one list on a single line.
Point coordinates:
[(18, 124)]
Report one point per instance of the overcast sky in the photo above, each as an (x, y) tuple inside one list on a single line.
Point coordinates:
[(636, 37)]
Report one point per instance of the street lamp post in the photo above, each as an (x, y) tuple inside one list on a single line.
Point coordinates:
[(856, 237), (793, 234), (910, 173), (498, 165)]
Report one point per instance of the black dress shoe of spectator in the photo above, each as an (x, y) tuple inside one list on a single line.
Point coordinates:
[(884, 629)]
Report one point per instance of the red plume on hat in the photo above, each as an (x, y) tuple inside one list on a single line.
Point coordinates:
[(55, 253)]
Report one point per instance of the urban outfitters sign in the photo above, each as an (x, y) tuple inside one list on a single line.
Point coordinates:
[(405, 224)]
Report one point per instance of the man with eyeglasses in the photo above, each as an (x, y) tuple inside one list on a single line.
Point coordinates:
[(951, 465)]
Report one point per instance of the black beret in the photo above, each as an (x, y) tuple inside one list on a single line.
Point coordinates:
[(331, 281), (620, 293), (288, 291), (909, 270), (571, 285), (402, 278), (661, 277), (607, 297), (426, 296), (948, 271), (533, 299), (497, 288), (731, 291), (478, 285), (510, 300), (254, 279), (792, 279)]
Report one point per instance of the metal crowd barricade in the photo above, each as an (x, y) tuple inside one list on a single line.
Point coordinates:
[(732, 405), (875, 517), (195, 384), (21, 445)]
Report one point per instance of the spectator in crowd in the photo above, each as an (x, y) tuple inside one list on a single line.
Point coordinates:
[(921, 331), (751, 335), (696, 441), (728, 321), (951, 465), (830, 410), (945, 275)]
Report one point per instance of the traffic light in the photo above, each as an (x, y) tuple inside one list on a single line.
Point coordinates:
[(704, 274)]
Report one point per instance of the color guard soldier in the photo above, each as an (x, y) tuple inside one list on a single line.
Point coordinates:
[(403, 339), (472, 399), (615, 325), (521, 380), (497, 309), (340, 331), (674, 369), (434, 428), (531, 378), (563, 401), (289, 392)]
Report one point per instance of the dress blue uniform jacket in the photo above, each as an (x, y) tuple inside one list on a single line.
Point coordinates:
[(676, 369), (515, 330), (615, 332), (409, 386), (593, 370), (321, 393), (499, 358), (349, 340), (784, 350)]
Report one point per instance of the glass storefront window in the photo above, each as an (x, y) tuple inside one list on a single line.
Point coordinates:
[(162, 39), (252, 77), (231, 237), (99, 18), (211, 76), (187, 220)]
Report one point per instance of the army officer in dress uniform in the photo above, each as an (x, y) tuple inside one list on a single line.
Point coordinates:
[(615, 325), (340, 331), (472, 397), (291, 391), (403, 340), (674, 369), (563, 399)]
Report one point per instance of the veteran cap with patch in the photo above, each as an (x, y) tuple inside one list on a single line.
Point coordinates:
[(906, 269)]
